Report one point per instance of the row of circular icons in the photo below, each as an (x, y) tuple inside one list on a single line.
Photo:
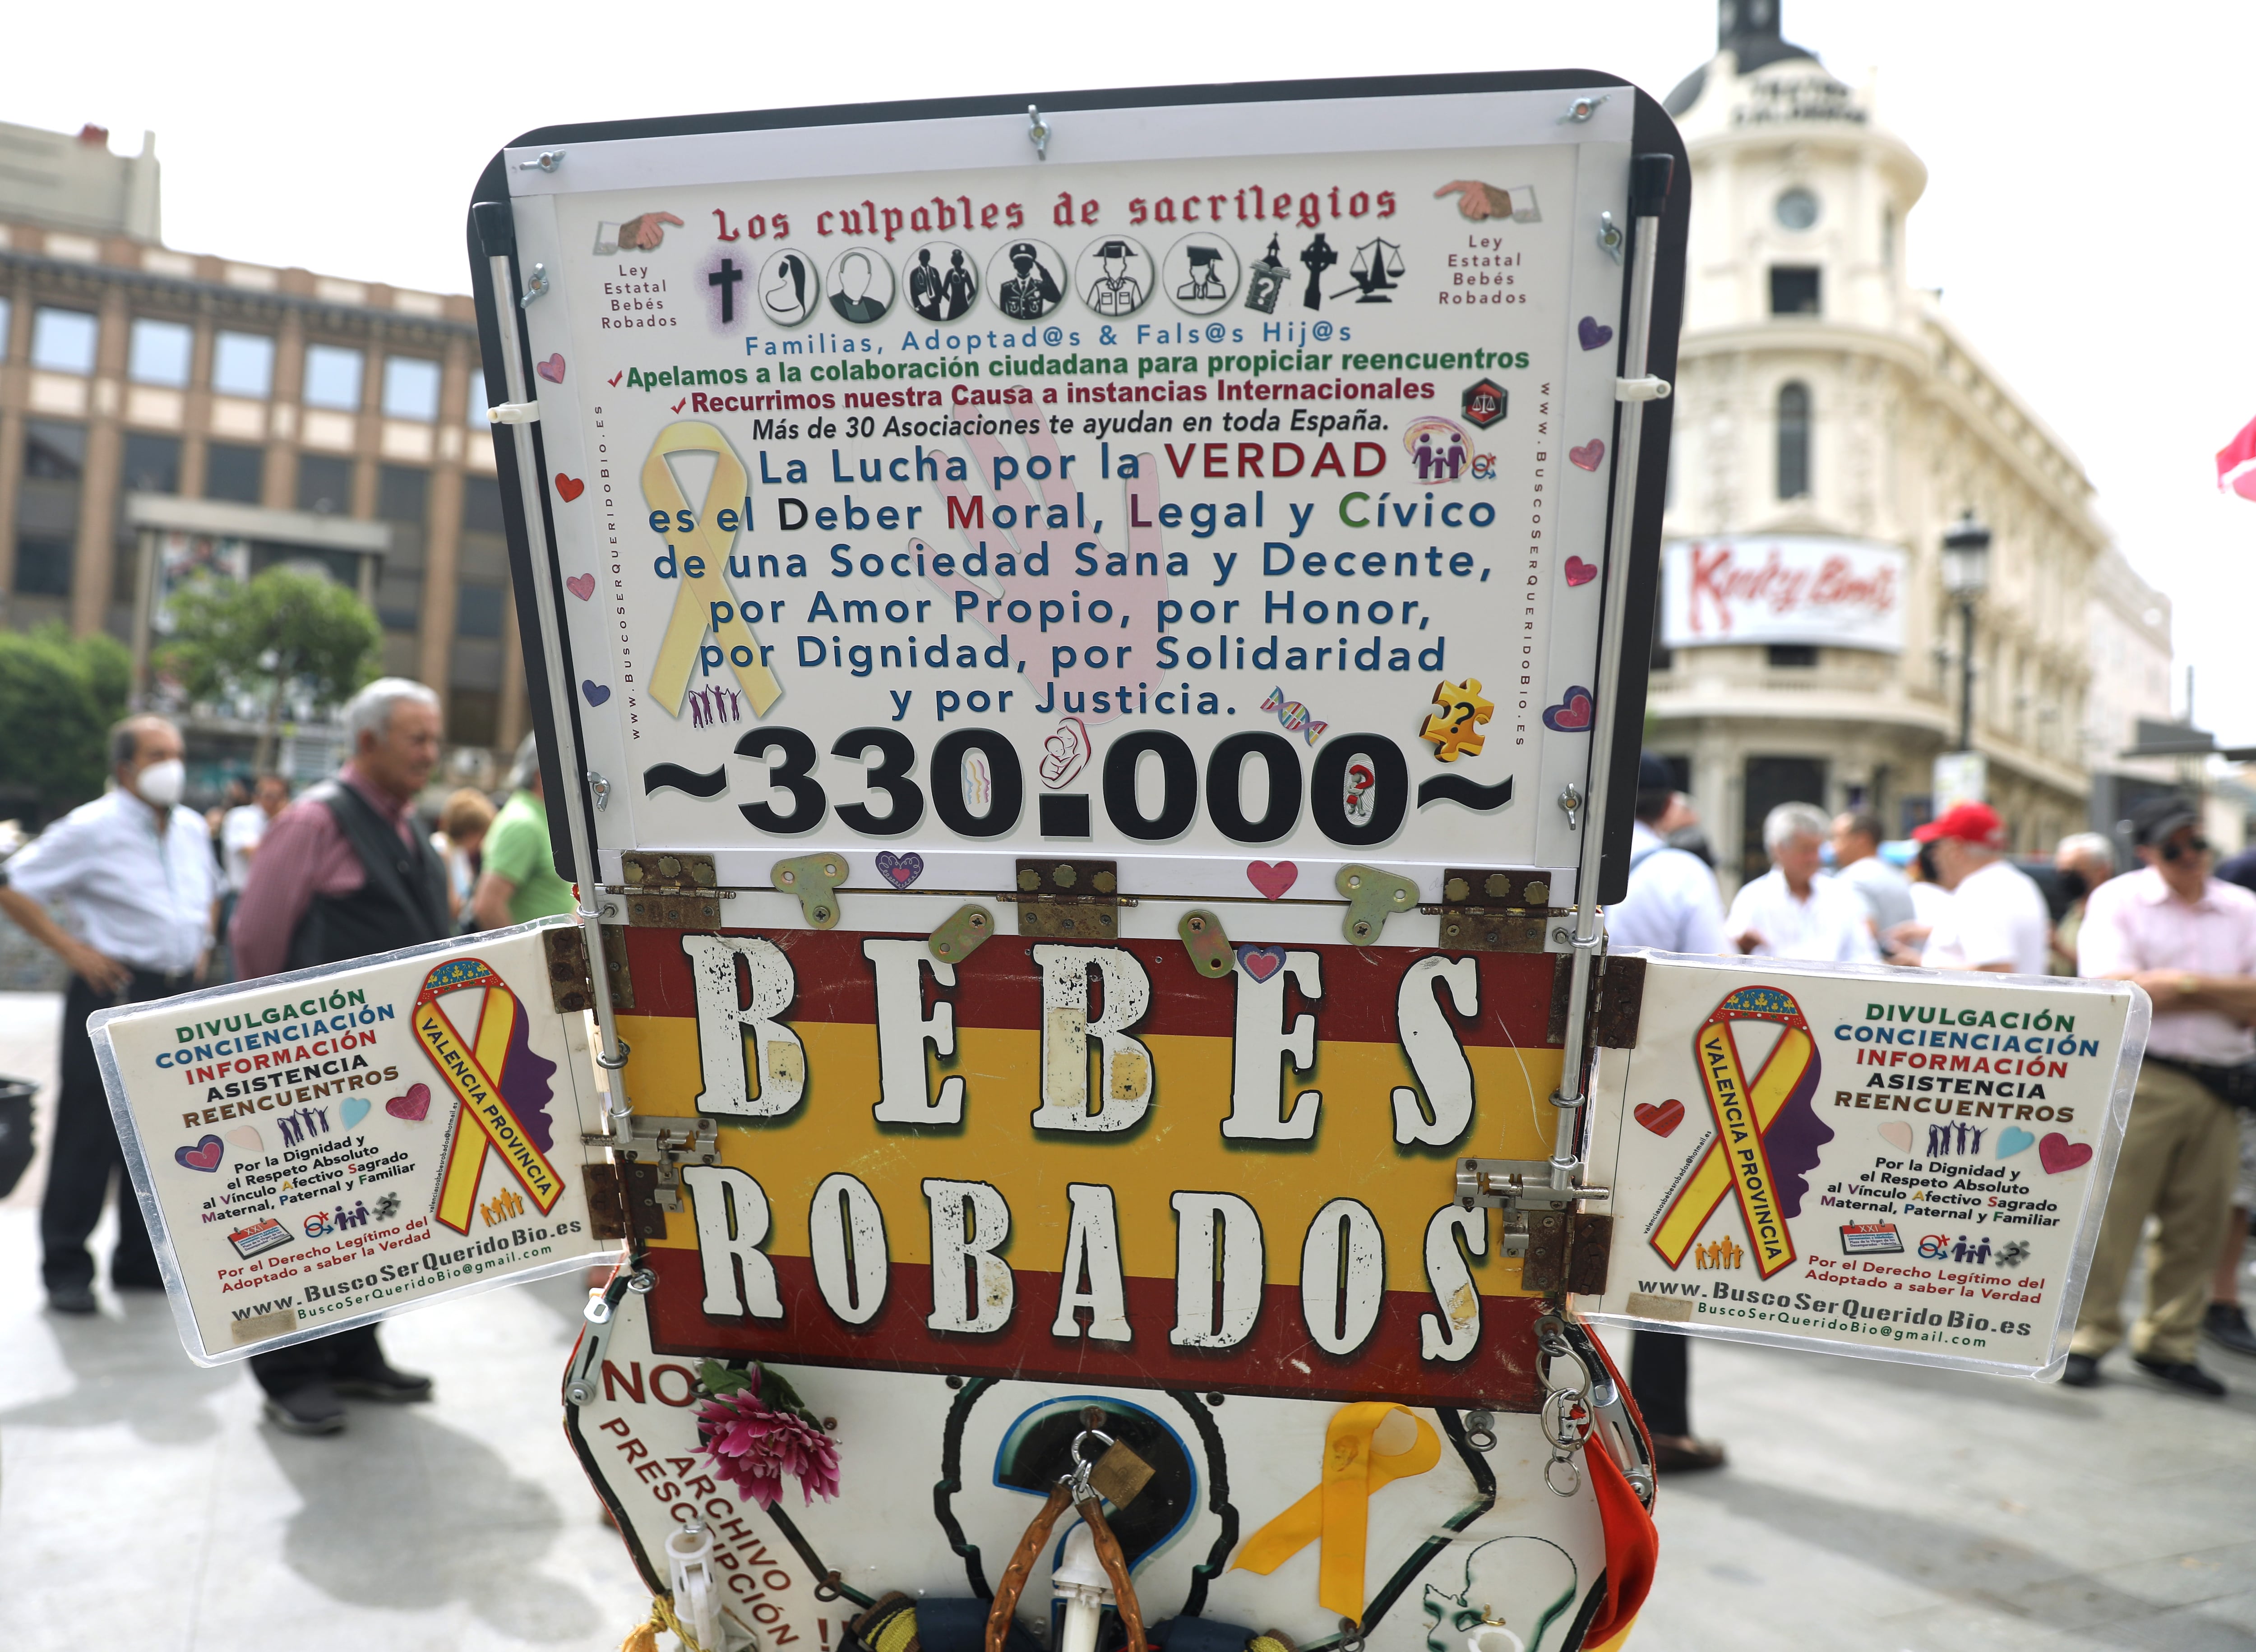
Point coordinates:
[(1026, 279)]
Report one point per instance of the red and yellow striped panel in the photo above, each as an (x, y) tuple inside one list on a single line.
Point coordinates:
[(1177, 1146)]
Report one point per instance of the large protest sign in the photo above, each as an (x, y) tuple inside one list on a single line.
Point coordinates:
[(320, 1149), (1907, 1164)]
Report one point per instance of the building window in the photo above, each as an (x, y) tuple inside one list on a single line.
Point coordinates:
[(243, 364), (1794, 441), (152, 464), (325, 485), (1796, 210), (1796, 656), (403, 498), (1794, 290), (473, 716), (1888, 236), (332, 377), (159, 353), (411, 387), (62, 340), (477, 610), (47, 507), (235, 473)]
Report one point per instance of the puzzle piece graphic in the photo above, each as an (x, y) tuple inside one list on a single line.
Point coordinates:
[(1454, 728)]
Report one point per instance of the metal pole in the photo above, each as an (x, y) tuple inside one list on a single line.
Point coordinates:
[(1588, 931), (579, 831), (1965, 674)]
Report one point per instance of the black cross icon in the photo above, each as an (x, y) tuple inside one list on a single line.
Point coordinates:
[(726, 278)]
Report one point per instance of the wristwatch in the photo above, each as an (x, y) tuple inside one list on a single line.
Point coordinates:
[(2189, 983)]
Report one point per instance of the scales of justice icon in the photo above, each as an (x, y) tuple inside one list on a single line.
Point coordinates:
[(1377, 271)]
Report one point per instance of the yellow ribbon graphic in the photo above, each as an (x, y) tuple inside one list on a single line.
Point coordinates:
[(485, 1121), (702, 593), (1337, 1513), (1738, 1160)]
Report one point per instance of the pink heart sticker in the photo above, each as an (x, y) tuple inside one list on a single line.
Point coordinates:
[(2060, 1154), (1662, 1120), (551, 369), (414, 1107), (1261, 962), (1579, 572), (1897, 1134), (1572, 714), (581, 586), (1588, 456), (1273, 878), (206, 1153), (900, 870)]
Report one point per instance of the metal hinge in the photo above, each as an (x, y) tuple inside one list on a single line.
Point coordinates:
[(1495, 910), (1559, 1244), (570, 988), (670, 891), (1069, 900), (650, 1152), (1617, 1001)]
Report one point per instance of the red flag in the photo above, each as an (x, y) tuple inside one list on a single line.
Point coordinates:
[(2236, 463)]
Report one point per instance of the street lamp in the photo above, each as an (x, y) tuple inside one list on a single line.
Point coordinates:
[(1966, 575)]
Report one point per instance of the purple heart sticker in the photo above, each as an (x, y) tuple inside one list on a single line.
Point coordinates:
[(596, 693), (900, 870), (1261, 962), (1593, 333)]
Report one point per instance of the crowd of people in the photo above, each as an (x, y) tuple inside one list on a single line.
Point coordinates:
[(166, 900), (2182, 927)]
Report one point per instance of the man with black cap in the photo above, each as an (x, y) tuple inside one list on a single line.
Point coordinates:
[(2190, 939), (1672, 905)]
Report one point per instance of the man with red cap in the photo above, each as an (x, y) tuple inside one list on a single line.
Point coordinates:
[(2190, 939), (1998, 919)]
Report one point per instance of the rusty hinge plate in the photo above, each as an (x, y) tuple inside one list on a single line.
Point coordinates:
[(1495, 909), (1069, 900), (670, 891), (1567, 1250), (607, 1217), (567, 951), (644, 1212), (1620, 989)]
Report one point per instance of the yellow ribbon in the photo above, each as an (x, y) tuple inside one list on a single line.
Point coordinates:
[(1337, 1512), (484, 1120), (1738, 1161), (710, 545)]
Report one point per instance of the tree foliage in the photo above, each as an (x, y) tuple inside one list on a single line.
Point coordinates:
[(289, 631), (59, 695)]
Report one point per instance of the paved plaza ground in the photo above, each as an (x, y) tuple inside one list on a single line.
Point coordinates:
[(144, 1503)]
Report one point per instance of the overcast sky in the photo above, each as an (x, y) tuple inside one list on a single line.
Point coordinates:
[(2084, 215)]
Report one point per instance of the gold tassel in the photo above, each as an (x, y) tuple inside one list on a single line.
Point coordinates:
[(643, 1637)]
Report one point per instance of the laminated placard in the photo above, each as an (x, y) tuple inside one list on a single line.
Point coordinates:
[(1907, 1164), (320, 1149)]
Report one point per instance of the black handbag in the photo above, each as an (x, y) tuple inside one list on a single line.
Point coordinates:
[(15, 1132)]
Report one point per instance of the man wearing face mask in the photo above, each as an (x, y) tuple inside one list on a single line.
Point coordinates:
[(138, 869)]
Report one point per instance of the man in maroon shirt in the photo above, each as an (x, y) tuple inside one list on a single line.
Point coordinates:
[(345, 872)]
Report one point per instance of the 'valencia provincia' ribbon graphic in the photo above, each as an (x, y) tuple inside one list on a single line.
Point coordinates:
[(1337, 1513), (704, 594), (475, 1073), (1739, 1161)]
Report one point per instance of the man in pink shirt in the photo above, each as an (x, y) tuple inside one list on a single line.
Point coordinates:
[(2190, 940), (344, 872)]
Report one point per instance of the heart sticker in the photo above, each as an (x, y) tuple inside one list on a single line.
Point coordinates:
[(354, 1110), (1261, 962), (414, 1107), (246, 1138), (1588, 456), (206, 1153), (1897, 1134), (1572, 714), (1593, 332), (1579, 572), (596, 693), (1662, 1120), (900, 870), (2056, 1151), (551, 369), (1273, 878), (1065, 754), (570, 488), (2013, 1139), (581, 586)]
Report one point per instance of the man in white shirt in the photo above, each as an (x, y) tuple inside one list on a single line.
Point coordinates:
[(1857, 863), (1789, 911), (1672, 905), (240, 832), (1997, 919), (2190, 939), (137, 868)]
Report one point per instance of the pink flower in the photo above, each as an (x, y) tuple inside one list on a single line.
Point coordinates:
[(753, 1445)]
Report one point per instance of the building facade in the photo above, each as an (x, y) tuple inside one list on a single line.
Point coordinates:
[(131, 370), (1830, 425)]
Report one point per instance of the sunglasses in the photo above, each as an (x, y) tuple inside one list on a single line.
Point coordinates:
[(2175, 851)]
